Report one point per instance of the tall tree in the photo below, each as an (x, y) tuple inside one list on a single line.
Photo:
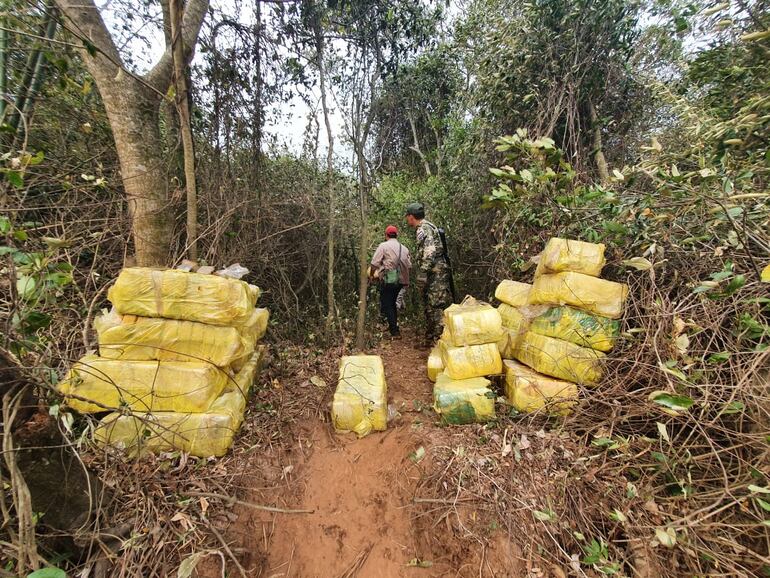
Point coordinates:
[(132, 103)]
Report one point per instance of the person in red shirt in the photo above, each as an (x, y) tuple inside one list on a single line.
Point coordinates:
[(390, 265)]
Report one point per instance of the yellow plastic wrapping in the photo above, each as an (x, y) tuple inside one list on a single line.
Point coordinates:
[(568, 255), (181, 295), (529, 391), (201, 434), (472, 323), (560, 359), (512, 317), (143, 385), (361, 401), (463, 401), (128, 337), (507, 345), (598, 296), (471, 360), (513, 293), (578, 327), (435, 364)]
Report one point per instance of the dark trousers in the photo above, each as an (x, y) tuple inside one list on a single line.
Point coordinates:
[(388, 296)]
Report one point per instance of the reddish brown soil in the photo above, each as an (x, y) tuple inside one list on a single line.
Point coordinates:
[(364, 521)]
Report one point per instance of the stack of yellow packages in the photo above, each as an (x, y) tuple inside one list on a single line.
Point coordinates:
[(178, 355), (466, 353), (559, 328)]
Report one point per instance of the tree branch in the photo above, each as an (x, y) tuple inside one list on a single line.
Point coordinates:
[(194, 13), (85, 16)]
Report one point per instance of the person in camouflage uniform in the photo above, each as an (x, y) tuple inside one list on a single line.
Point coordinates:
[(433, 275)]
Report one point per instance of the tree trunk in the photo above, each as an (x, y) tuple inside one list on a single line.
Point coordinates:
[(601, 162), (416, 146), (183, 107), (133, 114), (363, 250), (330, 306), (132, 104)]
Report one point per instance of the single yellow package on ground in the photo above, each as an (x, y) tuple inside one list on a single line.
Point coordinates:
[(569, 255), (598, 296), (529, 391), (128, 337), (464, 400), (142, 385), (560, 359), (472, 323), (513, 293), (175, 294), (201, 434), (578, 327), (471, 360), (361, 401), (435, 363)]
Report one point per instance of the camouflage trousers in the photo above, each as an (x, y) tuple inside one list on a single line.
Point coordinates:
[(436, 296)]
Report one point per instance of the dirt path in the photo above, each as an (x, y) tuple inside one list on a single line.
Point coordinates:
[(361, 493)]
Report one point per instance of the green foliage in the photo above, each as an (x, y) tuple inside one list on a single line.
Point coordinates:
[(39, 279)]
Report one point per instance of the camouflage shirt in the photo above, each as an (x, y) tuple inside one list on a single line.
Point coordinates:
[(429, 248)]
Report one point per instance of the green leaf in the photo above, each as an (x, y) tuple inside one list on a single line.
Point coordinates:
[(20, 235), (733, 407), (544, 516), (608, 443), (762, 504), (666, 537), (417, 455), (758, 490), (48, 573), (5, 227), (187, 567), (720, 357), (618, 516), (735, 283), (25, 286), (15, 178), (672, 401)]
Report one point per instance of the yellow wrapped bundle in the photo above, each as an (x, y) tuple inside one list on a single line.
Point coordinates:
[(507, 345), (472, 323), (143, 385), (513, 293), (128, 337), (529, 391), (560, 359), (471, 361), (463, 401), (201, 434), (361, 400), (181, 295), (435, 363), (578, 327), (568, 255), (598, 296), (511, 317)]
